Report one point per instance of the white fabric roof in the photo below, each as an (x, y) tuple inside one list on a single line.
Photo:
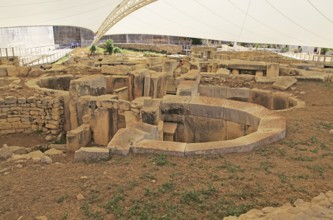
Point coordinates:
[(293, 22)]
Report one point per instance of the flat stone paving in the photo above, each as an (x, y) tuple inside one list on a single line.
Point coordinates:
[(320, 207)]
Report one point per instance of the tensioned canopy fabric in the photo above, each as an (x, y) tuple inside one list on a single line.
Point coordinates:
[(292, 22)]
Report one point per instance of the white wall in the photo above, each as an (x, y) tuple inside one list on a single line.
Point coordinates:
[(26, 37)]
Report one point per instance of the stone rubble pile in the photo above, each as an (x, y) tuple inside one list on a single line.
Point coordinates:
[(320, 207)]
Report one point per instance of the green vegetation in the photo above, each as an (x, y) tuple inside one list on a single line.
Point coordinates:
[(160, 160), (93, 49)]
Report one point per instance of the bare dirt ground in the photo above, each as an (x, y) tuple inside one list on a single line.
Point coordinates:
[(159, 187)]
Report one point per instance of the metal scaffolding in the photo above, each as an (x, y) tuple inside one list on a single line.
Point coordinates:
[(121, 11)]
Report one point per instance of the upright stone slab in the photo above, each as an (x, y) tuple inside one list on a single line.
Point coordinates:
[(273, 70), (86, 86), (150, 111), (136, 88), (104, 125)]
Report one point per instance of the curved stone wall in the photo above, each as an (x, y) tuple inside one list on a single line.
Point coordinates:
[(269, 127), (268, 99)]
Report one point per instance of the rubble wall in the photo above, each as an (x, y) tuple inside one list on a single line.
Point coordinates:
[(172, 49), (44, 114)]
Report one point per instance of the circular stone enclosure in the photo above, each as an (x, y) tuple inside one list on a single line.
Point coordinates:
[(267, 127)]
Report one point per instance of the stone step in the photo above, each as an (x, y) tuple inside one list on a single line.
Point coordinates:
[(169, 130)]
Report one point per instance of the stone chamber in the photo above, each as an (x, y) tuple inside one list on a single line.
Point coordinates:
[(204, 104)]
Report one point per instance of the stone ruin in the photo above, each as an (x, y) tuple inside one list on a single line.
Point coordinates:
[(156, 104)]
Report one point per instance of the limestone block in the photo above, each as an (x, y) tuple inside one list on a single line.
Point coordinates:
[(54, 152), (187, 88), (124, 139), (116, 82), (155, 84), (124, 105), (3, 71), (159, 147), (11, 70), (35, 72), (89, 85), (31, 99), (23, 71), (169, 66), (92, 154), (78, 137), (259, 73), (235, 72), (223, 71), (150, 130), (136, 85), (130, 118), (284, 83), (5, 153), (150, 111), (169, 130), (21, 100), (10, 100), (272, 70), (122, 93), (111, 103), (104, 125)]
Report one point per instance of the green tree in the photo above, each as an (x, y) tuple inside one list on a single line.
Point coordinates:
[(196, 41), (109, 46), (93, 49)]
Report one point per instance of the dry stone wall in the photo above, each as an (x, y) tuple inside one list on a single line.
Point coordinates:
[(43, 114)]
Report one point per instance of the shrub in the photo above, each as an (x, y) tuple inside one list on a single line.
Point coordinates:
[(109, 47), (93, 49)]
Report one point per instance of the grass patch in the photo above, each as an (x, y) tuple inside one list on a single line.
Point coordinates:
[(303, 158), (282, 177), (160, 160), (317, 168), (113, 205), (90, 214), (266, 166), (61, 199), (230, 168)]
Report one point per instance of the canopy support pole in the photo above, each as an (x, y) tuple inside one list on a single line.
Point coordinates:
[(125, 8)]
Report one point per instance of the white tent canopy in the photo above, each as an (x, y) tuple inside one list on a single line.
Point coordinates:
[(292, 22)]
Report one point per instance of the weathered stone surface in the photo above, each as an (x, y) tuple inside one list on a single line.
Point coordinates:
[(43, 217), (92, 154), (5, 153), (35, 155), (61, 147), (10, 100), (159, 147), (331, 132), (78, 137), (23, 71), (3, 72), (320, 207), (223, 71), (19, 150), (124, 139), (46, 160), (102, 132), (35, 72), (53, 152), (272, 70), (284, 83)]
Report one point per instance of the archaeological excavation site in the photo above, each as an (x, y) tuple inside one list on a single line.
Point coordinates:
[(165, 109)]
